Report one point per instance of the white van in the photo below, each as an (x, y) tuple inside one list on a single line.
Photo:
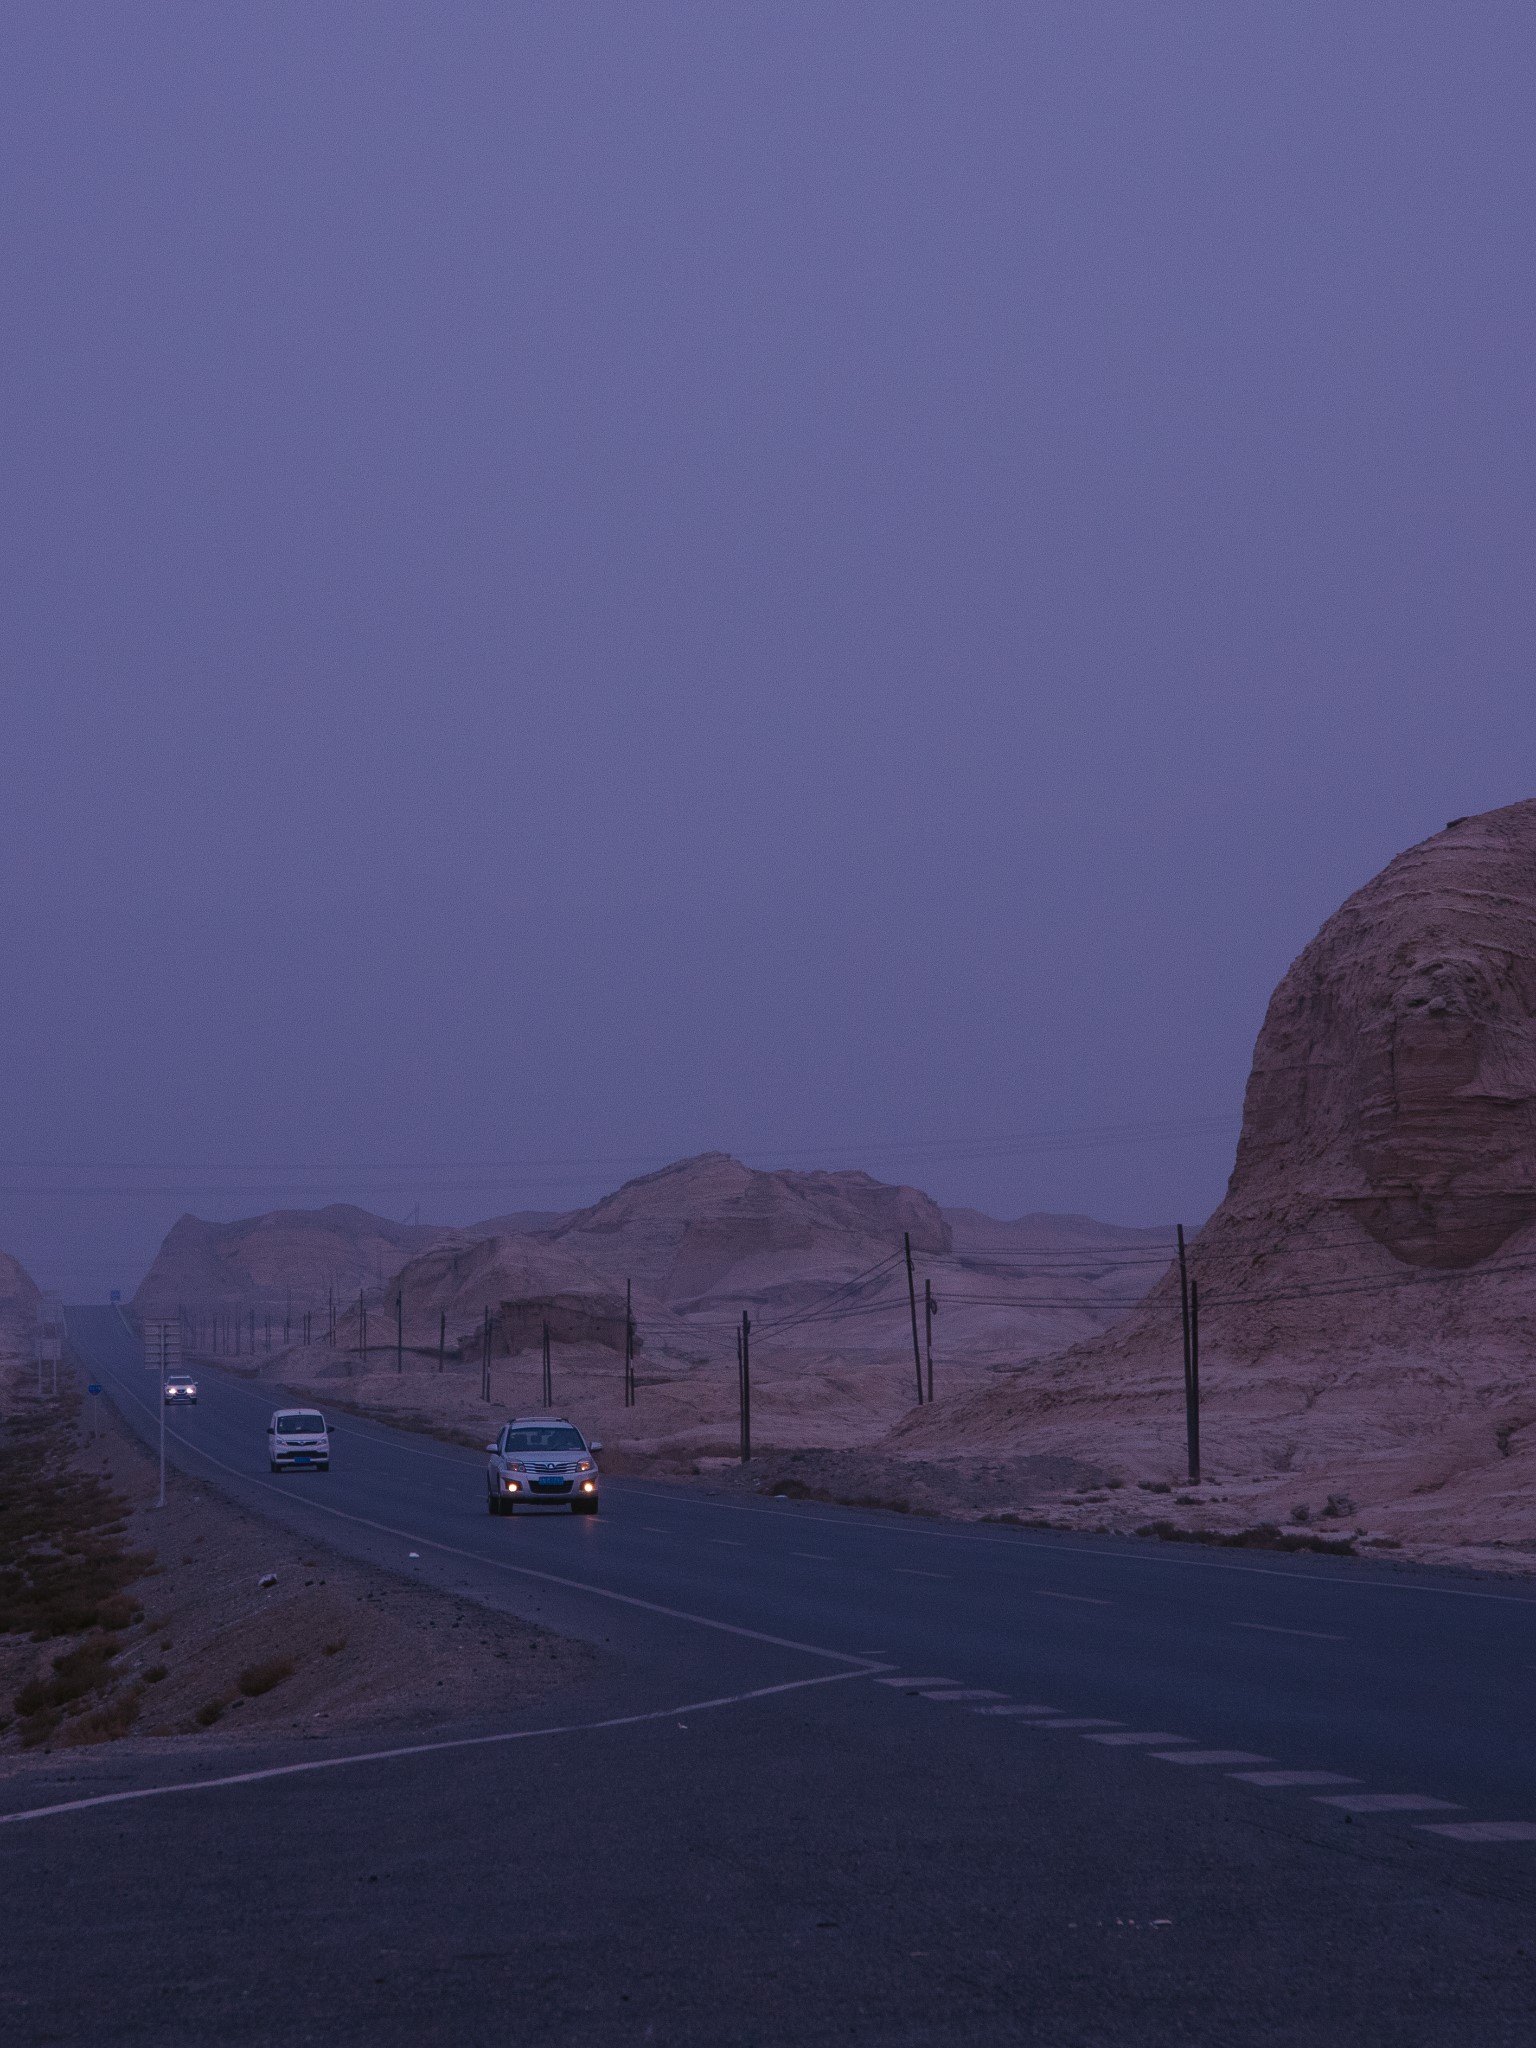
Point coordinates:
[(298, 1436)]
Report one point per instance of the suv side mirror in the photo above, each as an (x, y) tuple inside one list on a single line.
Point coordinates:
[(490, 1447), (594, 1447)]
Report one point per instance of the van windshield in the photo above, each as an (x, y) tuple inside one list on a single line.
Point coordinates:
[(300, 1425), (550, 1439)]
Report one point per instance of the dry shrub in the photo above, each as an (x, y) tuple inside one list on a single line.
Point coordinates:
[(63, 1566), (104, 1723), (256, 1679), (334, 1649), (209, 1712)]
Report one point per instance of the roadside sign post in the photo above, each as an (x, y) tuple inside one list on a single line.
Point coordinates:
[(162, 1354), (95, 1393)]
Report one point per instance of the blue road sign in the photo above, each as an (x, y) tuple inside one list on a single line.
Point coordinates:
[(93, 1390)]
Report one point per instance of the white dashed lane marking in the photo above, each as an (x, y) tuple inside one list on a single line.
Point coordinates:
[(1386, 1802), (1482, 1830), (1114, 1735), (1132, 1741), (907, 1571), (820, 1556), (1079, 1599), (1210, 1756), (1285, 1778), (1315, 1635)]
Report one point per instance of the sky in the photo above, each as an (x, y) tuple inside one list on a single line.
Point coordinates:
[(842, 582)]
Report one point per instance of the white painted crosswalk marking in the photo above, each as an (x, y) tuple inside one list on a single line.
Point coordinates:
[(1482, 1830), (1293, 1778), (1386, 1802)]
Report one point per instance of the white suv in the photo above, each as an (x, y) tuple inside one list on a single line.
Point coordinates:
[(541, 1461), (298, 1436)]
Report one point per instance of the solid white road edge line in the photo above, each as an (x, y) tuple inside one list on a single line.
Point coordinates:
[(524, 1571), (377, 1756)]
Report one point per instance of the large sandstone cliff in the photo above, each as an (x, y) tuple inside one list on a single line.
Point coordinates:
[(1368, 1284), (19, 1301)]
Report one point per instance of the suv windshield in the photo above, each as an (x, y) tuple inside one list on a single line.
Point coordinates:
[(299, 1425), (561, 1439)]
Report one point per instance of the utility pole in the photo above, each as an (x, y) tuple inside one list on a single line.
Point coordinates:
[(1194, 1382), (917, 1356), (930, 1310), (744, 1384), (549, 1391), (442, 1336), (400, 1329), (485, 1356), (1188, 1304), (287, 1314), (362, 1322), (629, 1345)]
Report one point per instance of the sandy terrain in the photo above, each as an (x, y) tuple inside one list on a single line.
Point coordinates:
[(208, 1654)]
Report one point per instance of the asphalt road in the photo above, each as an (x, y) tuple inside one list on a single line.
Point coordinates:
[(1224, 1824)]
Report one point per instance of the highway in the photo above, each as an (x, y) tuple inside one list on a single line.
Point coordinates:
[(842, 1777)]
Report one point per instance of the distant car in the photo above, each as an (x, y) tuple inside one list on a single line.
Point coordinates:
[(541, 1461), (179, 1392), (298, 1436)]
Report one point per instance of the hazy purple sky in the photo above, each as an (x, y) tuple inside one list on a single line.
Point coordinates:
[(841, 581)]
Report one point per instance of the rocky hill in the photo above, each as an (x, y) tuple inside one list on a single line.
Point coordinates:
[(1368, 1284), (19, 1300), (287, 1259)]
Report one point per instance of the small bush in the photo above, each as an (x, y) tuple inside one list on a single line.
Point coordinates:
[(155, 1674), (1301, 1512), (104, 1723), (1154, 1486), (1338, 1504), (335, 1648), (256, 1679), (209, 1712), (75, 1673)]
